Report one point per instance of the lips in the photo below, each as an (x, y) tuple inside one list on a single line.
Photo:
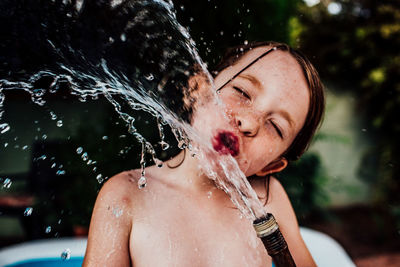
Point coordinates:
[(225, 143)]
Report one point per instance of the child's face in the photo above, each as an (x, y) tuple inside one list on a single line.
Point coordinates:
[(267, 105)]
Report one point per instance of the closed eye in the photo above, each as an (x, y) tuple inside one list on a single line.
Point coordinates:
[(278, 131), (241, 92)]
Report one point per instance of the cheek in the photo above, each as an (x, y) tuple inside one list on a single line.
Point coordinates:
[(208, 118), (260, 154)]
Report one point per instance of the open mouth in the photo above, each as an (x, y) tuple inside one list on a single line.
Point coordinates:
[(226, 143)]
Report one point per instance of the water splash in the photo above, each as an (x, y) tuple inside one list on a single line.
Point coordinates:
[(66, 254), (7, 183), (48, 229), (158, 56), (28, 211)]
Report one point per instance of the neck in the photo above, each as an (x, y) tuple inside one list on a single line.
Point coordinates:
[(188, 172)]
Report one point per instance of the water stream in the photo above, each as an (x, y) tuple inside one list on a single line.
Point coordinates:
[(135, 55)]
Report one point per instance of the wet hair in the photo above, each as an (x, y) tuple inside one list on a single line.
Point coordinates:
[(317, 98)]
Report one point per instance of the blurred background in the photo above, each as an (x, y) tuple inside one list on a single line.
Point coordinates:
[(347, 185)]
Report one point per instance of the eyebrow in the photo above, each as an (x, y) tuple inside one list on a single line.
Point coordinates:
[(287, 117), (252, 79)]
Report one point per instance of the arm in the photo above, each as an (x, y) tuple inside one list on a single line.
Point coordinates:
[(280, 206), (110, 225)]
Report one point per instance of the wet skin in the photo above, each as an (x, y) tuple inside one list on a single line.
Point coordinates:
[(181, 218), (267, 105)]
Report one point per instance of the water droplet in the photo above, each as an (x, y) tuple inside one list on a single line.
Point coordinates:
[(66, 254), (4, 127), (84, 156), (60, 172), (53, 115), (5, 144), (149, 77), (44, 137), (42, 157), (142, 182), (48, 229), (38, 92), (28, 211), (53, 165), (100, 178), (59, 123), (158, 163), (89, 162), (94, 169), (105, 137), (181, 144), (59, 221), (79, 150), (123, 37), (117, 212), (164, 145), (246, 42), (191, 19), (24, 147), (363, 130), (7, 183), (221, 33)]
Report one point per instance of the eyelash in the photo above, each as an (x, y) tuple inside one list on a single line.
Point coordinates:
[(239, 90), (279, 132)]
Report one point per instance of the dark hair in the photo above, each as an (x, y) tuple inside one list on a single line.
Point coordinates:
[(317, 99)]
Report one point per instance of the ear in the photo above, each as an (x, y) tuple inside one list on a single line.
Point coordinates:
[(274, 167)]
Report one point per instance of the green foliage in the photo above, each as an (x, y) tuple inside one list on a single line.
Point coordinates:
[(358, 50)]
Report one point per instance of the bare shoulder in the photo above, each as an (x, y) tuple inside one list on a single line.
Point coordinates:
[(126, 180), (271, 189), (281, 207), (120, 187), (112, 211), (277, 193), (279, 203)]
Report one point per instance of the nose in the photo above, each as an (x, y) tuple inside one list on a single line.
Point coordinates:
[(247, 124)]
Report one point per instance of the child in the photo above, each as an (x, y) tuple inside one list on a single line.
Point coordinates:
[(274, 99)]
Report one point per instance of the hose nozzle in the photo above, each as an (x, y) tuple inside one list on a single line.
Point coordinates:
[(268, 230)]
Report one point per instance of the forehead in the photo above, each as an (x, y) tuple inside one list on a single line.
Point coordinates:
[(280, 77), (276, 61), (278, 67)]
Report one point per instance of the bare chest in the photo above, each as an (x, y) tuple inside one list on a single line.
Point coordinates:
[(182, 232)]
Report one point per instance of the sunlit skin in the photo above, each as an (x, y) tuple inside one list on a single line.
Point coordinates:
[(181, 218)]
